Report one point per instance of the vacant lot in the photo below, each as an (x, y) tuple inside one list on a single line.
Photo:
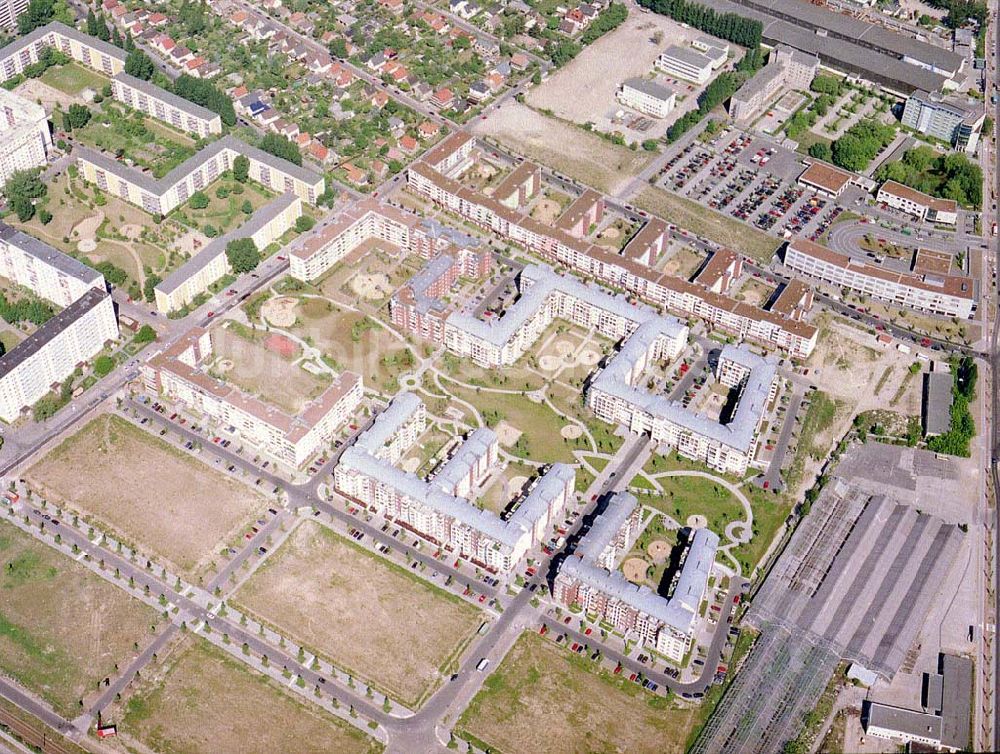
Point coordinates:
[(62, 628), (366, 614), (147, 491), (592, 160), (208, 702), (247, 363), (705, 222), (542, 690)]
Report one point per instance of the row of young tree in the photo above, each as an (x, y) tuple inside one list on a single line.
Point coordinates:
[(733, 27), (962, 429), (718, 91)]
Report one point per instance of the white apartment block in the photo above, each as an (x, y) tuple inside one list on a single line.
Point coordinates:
[(266, 226), (647, 97), (177, 373), (100, 56), (590, 580), (368, 474), (165, 106), (24, 129), (632, 270), (58, 277), (916, 203), (688, 64), (159, 197), (948, 295), (49, 355)]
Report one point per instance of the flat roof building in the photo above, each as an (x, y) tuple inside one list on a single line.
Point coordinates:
[(46, 271), (936, 404), (916, 203), (956, 120), (165, 106), (686, 63), (647, 97), (787, 68), (24, 128)]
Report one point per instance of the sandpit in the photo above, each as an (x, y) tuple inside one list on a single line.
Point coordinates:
[(411, 464), (373, 287), (516, 484), (563, 348), (658, 550), (571, 432), (87, 245), (190, 242), (506, 434), (546, 210), (131, 231), (280, 311), (635, 570), (589, 357), (86, 229), (282, 345), (611, 234), (697, 521), (549, 363), (224, 365)]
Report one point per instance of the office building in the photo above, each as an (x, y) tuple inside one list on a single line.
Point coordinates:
[(922, 206), (787, 68), (687, 63), (647, 97), (951, 118)]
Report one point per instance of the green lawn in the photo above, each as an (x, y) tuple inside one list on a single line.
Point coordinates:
[(73, 78), (769, 513), (148, 144), (224, 213), (687, 496)]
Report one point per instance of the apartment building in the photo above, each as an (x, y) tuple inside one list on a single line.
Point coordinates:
[(453, 155), (648, 97), (24, 128), (265, 226), (48, 356), (100, 56), (934, 292), (956, 120), (585, 212), (519, 186), (588, 579), (165, 106), (180, 374), (631, 270), (787, 68), (161, 196), (922, 206), (9, 11), (367, 473), (688, 64), (58, 277)]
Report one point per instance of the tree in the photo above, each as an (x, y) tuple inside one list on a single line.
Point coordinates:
[(204, 93), (338, 48), (241, 168), (650, 145), (199, 200), (820, 150), (103, 365), (304, 223), (38, 13), (149, 287), (282, 147), (44, 216), (21, 189), (146, 334), (246, 208), (138, 64), (242, 255), (192, 15), (79, 115)]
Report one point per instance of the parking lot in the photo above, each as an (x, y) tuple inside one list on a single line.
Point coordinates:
[(751, 180)]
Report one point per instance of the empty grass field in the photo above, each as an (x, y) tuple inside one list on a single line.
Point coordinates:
[(73, 78), (365, 614), (685, 496), (146, 491), (542, 698), (205, 702), (62, 628)]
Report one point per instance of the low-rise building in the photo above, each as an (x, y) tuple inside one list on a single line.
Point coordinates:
[(40, 362), (950, 295), (647, 97), (686, 63), (922, 206), (587, 579), (956, 120), (24, 128), (179, 374), (825, 179)]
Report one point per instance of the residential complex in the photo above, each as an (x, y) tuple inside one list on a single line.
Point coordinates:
[(437, 509), (9, 11), (24, 129), (956, 120), (48, 356), (91, 52), (633, 269), (181, 374), (159, 197), (588, 579), (266, 226), (922, 206), (931, 290), (647, 97), (787, 68), (58, 277), (165, 106)]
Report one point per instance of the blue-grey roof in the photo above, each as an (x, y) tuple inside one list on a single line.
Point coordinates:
[(388, 422), (537, 502), (434, 229), (467, 457), (51, 256), (423, 280), (217, 247), (67, 31), (607, 525)]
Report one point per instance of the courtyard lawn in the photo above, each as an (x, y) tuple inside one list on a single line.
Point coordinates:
[(73, 78)]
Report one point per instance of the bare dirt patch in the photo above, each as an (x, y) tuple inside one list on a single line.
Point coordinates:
[(592, 160), (280, 311), (658, 550), (546, 211), (507, 434), (371, 287), (571, 432), (206, 702), (146, 491), (362, 612), (635, 570)]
